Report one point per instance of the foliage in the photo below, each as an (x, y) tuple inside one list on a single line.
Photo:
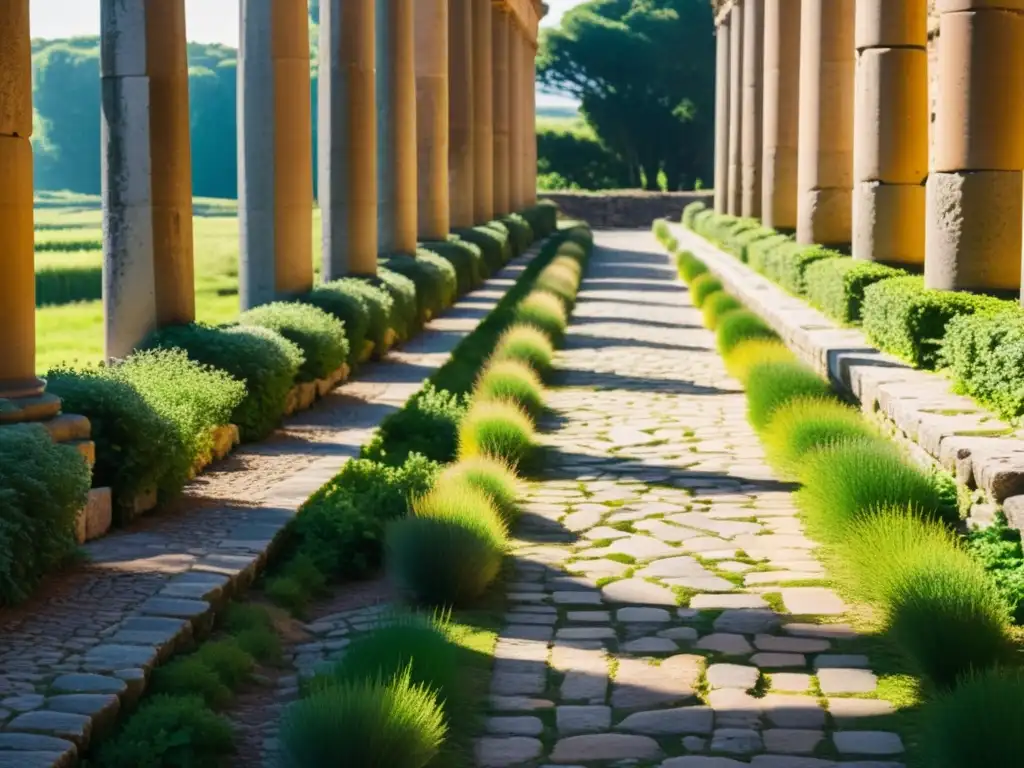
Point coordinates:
[(188, 676), (691, 211), (428, 424), (772, 385), (513, 382), (319, 335), (690, 267), (542, 218), (520, 232), (526, 344), (717, 304), (493, 245), (562, 278), (227, 659), (578, 160), (836, 286), (405, 313), (466, 259), (429, 279), (381, 310), (498, 430), (347, 303), (43, 485), (985, 356), (544, 311), (998, 549), (490, 476), (750, 353), (786, 265), (702, 287), (738, 326), (449, 280)]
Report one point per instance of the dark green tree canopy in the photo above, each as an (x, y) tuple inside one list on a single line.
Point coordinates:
[(644, 72)]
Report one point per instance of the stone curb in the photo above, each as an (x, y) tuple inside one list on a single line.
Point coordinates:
[(980, 449)]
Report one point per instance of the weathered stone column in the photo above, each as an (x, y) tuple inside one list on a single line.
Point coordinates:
[(396, 127), (432, 118), (973, 230), (275, 151), (825, 172), (753, 73), (500, 39), (148, 277), (890, 140), (483, 113), (517, 139), (460, 112), (531, 124), (734, 181), (781, 113), (722, 116), (348, 138), (18, 287)]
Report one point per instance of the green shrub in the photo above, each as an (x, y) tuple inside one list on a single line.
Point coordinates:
[(662, 231), (189, 676), (262, 644), (759, 252), (985, 357), (365, 724), (520, 232), (498, 430), (772, 385), (526, 344), (717, 304), (562, 278), (747, 354), (346, 303), (288, 592), (740, 245), (998, 549), (689, 266), (977, 724), (939, 606), (227, 659), (242, 616), (43, 485), (170, 732), (836, 286), (849, 480), (428, 424), (402, 641), (702, 287), (493, 244), (450, 550), (512, 382), (542, 218), (901, 316), (405, 312), (429, 279), (690, 211), (738, 326), (266, 361), (465, 258), (449, 280), (381, 308), (544, 311), (786, 265), (319, 335), (807, 424), (492, 477)]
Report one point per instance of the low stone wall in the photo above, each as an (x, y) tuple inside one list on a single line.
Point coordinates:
[(625, 209), (982, 451)]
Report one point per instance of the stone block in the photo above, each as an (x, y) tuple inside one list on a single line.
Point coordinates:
[(225, 438), (86, 449), (63, 725), (39, 408), (31, 750), (144, 502), (95, 517), (888, 222)]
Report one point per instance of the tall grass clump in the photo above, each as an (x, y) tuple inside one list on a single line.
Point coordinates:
[(806, 424), (514, 382), (496, 429), (702, 287), (772, 385), (716, 305), (745, 355), (526, 344), (689, 266), (545, 311), (740, 325), (494, 478), (449, 551), (365, 724)]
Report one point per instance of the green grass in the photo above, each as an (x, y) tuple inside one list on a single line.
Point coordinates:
[(717, 304), (511, 381), (772, 385), (490, 476), (690, 267), (702, 287), (500, 430), (545, 311), (526, 344), (751, 352), (738, 326)]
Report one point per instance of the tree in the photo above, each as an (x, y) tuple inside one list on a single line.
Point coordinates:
[(644, 72)]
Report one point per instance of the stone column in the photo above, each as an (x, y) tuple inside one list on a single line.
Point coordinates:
[(432, 117), (460, 112), (735, 197), (275, 151), (753, 72), (517, 140), (396, 127), (18, 287), (825, 162), (781, 113), (483, 113), (973, 229), (890, 140), (501, 29), (347, 138), (531, 123), (722, 116), (148, 276)]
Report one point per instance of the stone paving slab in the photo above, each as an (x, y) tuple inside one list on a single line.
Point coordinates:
[(665, 652), (86, 644)]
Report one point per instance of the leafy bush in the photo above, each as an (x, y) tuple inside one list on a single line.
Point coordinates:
[(266, 361), (985, 357), (976, 724), (513, 382), (717, 304), (493, 244), (227, 659), (562, 278), (903, 317), (738, 326), (170, 732), (690, 211), (429, 279), (346, 303), (520, 232), (759, 252), (365, 724), (836, 286), (542, 218), (998, 549), (450, 550), (544, 311), (526, 344), (740, 245), (853, 479), (449, 280), (494, 478), (498, 430), (772, 385), (188, 676), (752, 352), (43, 485), (428, 424), (786, 265), (381, 308), (262, 644), (807, 424), (702, 287), (319, 335), (689, 266), (465, 258), (405, 313)]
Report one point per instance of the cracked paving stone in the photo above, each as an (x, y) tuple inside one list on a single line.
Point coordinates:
[(605, 747), (639, 685)]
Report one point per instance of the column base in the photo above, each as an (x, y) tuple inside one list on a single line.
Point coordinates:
[(824, 217), (15, 409), (778, 203), (973, 233), (888, 223)]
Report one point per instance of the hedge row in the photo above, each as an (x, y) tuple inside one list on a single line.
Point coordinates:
[(946, 604), (155, 414), (979, 340)]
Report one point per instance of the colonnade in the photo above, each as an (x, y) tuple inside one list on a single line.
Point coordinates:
[(823, 118), (426, 124)]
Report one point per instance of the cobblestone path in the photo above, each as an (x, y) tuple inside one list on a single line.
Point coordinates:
[(649, 621)]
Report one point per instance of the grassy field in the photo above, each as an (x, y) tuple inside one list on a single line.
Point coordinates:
[(69, 238)]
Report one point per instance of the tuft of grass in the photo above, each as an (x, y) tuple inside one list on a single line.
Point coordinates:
[(232, 664), (189, 676), (771, 385), (738, 326), (497, 429), (514, 382), (494, 478), (364, 724), (544, 311), (746, 354), (689, 266), (262, 643), (702, 287), (526, 344), (716, 305), (806, 424)]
